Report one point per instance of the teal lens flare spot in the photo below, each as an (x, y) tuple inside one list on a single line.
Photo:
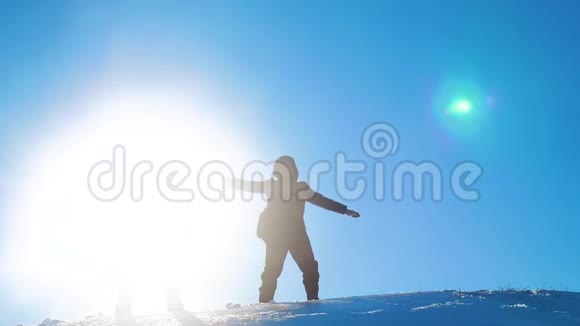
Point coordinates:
[(460, 107)]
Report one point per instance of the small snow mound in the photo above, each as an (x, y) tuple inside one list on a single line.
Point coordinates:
[(311, 315), (439, 305), (372, 312), (231, 305), (52, 322), (517, 305)]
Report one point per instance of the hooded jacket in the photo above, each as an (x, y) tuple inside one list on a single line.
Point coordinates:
[(282, 220)]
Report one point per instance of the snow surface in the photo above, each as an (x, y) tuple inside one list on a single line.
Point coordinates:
[(527, 308)]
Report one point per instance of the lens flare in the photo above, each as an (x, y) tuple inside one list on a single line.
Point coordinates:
[(460, 109), (461, 106)]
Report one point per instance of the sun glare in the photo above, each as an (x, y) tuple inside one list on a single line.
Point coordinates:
[(67, 245)]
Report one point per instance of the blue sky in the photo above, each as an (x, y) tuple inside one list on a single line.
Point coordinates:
[(316, 75)]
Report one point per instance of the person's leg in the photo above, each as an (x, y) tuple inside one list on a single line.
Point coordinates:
[(125, 301), (173, 298), (275, 256), (302, 253)]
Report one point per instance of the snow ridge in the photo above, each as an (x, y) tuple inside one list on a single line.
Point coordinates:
[(423, 308)]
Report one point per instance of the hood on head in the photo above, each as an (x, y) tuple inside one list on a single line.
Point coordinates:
[(285, 168)]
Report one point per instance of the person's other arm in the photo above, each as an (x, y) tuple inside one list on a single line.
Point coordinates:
[(320, 200)]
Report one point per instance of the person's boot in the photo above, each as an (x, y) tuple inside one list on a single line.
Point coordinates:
[(312, 292), (269, 284), (311, 278), (173, 300), (267, 291), (266, 296), (123, 311)]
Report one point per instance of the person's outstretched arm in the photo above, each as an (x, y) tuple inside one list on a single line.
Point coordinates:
[(251, 186), (320, 200)]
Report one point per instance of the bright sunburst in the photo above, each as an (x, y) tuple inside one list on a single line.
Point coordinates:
[(72, 248)]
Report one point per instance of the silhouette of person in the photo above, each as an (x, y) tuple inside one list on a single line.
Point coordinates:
[(281, 225)]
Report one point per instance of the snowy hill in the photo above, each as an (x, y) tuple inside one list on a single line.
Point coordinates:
[(424, 308)]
